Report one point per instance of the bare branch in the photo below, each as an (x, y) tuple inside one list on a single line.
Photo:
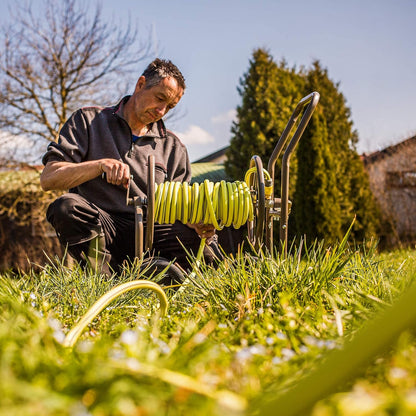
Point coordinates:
[(60, 60)]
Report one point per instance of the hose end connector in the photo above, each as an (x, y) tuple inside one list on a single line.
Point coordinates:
[(268, 188)]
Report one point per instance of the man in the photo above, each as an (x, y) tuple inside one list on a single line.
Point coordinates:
[(93, 220)]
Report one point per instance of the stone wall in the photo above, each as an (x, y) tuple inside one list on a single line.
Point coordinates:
[(392, 174)]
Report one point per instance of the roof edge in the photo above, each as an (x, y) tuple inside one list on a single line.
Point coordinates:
[(388, 151)]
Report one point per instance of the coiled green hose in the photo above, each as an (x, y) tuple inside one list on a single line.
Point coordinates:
[(220, 204)]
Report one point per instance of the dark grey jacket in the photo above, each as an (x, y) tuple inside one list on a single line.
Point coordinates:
[(94, 133)]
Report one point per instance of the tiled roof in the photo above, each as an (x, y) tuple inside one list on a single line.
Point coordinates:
[(388, 151), (214, 172), (212, 156)]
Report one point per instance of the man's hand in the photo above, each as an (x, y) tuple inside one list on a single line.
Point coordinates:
[(203, 230), (116, 172)]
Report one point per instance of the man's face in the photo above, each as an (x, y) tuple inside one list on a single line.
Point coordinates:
[(153, 103)]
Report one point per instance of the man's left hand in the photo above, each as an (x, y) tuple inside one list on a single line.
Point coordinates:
[(203, 230)]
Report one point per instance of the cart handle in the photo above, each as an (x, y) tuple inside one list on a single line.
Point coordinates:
[(311, 101)]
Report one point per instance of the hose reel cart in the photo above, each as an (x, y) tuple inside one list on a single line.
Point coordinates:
[(251, 201)]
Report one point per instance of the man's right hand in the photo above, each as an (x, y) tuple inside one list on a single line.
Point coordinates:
[(116, 172)]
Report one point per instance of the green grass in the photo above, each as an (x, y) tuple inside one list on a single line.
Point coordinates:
[(233, 339)]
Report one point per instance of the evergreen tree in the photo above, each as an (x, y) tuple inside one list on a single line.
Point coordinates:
[(316, 211), (345, 192), (328, 183), (269, 94)]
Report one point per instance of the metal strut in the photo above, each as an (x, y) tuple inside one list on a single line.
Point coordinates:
[(311, 101), (139, 203)]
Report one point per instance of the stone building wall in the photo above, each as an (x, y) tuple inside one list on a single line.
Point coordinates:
[(392, 174)]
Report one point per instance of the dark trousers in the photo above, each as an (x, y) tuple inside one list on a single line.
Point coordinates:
[(78, 222)]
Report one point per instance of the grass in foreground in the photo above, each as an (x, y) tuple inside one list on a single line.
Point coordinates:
[(233, 336)]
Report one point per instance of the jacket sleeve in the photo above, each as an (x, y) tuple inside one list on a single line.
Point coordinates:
[(179, 166), (183, 171), (72, 144)]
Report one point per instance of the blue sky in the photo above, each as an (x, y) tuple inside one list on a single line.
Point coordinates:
[(369, 47)]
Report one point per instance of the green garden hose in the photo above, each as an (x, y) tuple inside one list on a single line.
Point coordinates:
[(73, 335)]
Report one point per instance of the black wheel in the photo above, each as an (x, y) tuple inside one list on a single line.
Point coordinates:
[(256, 185), (173, 275)]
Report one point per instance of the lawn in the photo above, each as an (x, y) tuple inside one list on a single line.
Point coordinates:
[(237, 340)]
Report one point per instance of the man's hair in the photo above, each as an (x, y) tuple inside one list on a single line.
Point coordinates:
[(159, 69)]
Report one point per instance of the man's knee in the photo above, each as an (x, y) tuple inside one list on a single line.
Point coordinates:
[(74, 219), (61, 209)]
